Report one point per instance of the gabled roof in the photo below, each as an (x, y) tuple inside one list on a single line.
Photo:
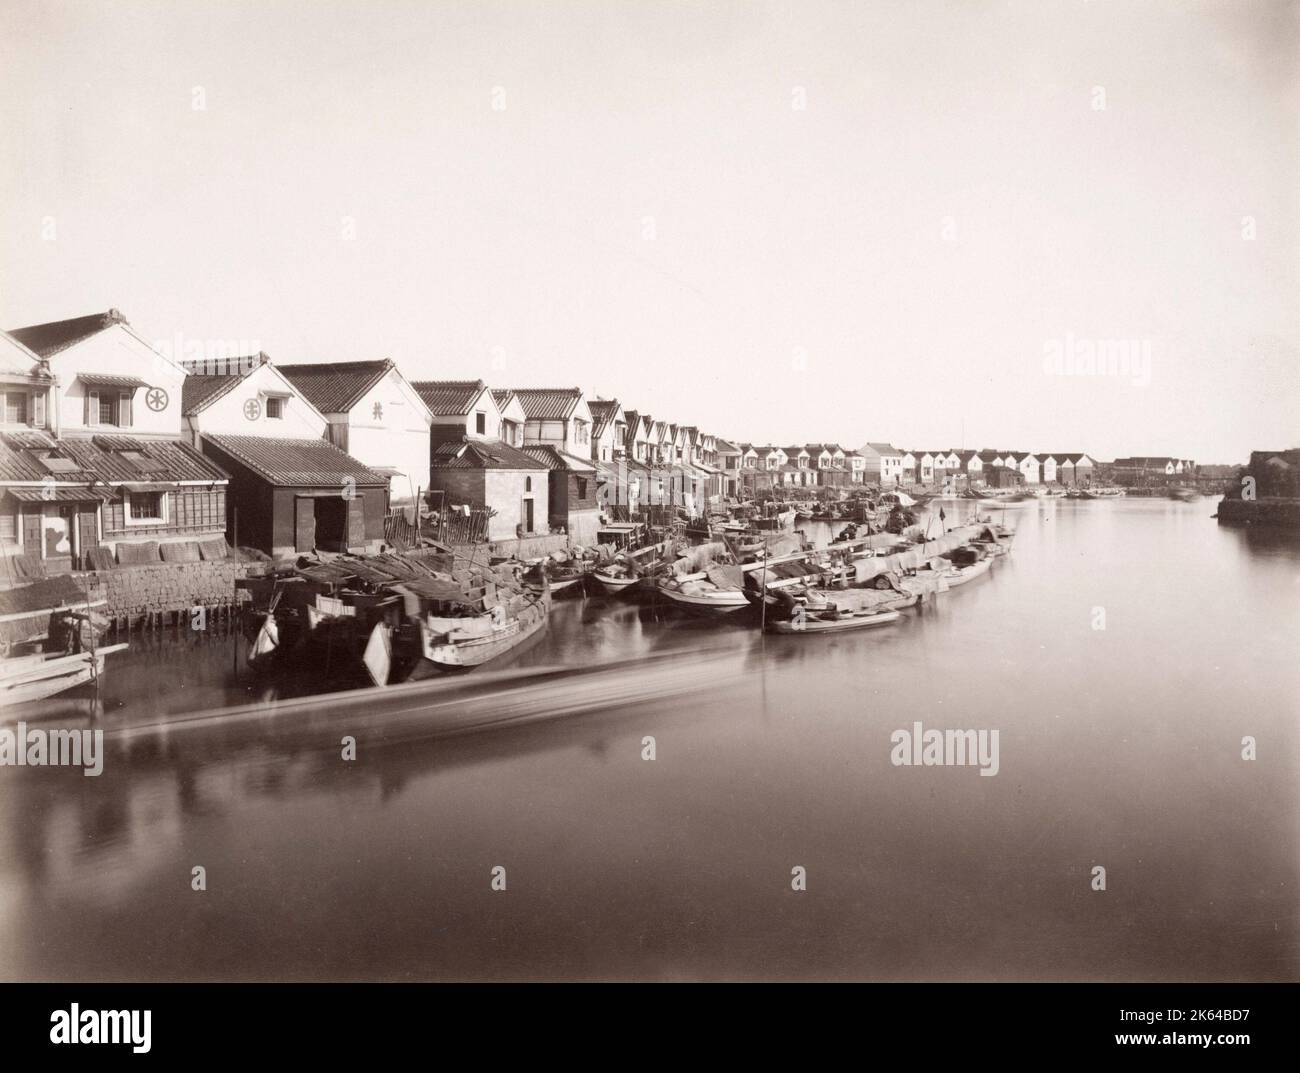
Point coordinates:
[(554, 458), (47, 339), (290, 462), (335, 387), (449, 398), (988, 456), (603, 412), (17, 359), (465, 453), (502, 396), (882, 448), (547, 403), (200, 392), (726, 445)]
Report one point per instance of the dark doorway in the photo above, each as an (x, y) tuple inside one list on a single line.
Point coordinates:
[(528, 515), (332, 523)]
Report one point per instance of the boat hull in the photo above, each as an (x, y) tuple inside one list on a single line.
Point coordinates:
[(613, 586), (811, 624), (707, 605), (476, 652), (37, 678)]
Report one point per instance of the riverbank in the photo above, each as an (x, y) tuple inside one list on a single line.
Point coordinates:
[(1282, 514)]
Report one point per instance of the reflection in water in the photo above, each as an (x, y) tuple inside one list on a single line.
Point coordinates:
[(1119, 747)]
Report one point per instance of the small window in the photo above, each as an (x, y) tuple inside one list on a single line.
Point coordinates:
[(528, 484), (480, 424), (147, 506), (275, 408), (14, 408)]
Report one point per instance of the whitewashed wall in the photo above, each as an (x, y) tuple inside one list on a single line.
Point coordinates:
[(117, 351), (231, 413), (396, 436)]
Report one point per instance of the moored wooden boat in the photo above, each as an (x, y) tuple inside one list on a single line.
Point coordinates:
[(459, 643), (38, 676), (833, 622), (696, 593)]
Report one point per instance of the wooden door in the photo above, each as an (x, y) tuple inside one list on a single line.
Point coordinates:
[(356, 531), (32, 531), (87, 534), (528, 516), (304, 523)]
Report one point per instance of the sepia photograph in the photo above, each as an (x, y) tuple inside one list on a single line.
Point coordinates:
[(674, 492)]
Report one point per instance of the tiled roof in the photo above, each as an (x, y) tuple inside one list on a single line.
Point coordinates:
[(102, 458), (884, 448), (449, 398), (725, 445), (17, 359), (548, 404), (1145, 460), (200, 392), (286, 462), (482, 454), (47, 339), (554, 458), (335, 387), (602, 413)]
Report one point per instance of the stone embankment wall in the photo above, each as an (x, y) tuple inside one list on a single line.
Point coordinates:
[(1277, 513), (141, 592)]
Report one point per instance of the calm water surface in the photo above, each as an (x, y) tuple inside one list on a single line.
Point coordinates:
[(1119, 747)]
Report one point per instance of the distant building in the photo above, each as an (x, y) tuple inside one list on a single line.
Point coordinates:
[(1139, 471), (460, 409), (884, 463), (729, 461), (572, 503), (557, 433), (608, 430)]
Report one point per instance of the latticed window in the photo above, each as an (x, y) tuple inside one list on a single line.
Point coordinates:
[(146, 506), (14, 407)]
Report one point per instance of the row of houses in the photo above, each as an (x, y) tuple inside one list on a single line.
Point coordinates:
[(890, 466), (114, 451), (111, 450)]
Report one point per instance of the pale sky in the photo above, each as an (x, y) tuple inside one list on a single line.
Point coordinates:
[(780, 222)]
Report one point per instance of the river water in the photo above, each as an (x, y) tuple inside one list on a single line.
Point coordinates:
[(1122, 653)]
